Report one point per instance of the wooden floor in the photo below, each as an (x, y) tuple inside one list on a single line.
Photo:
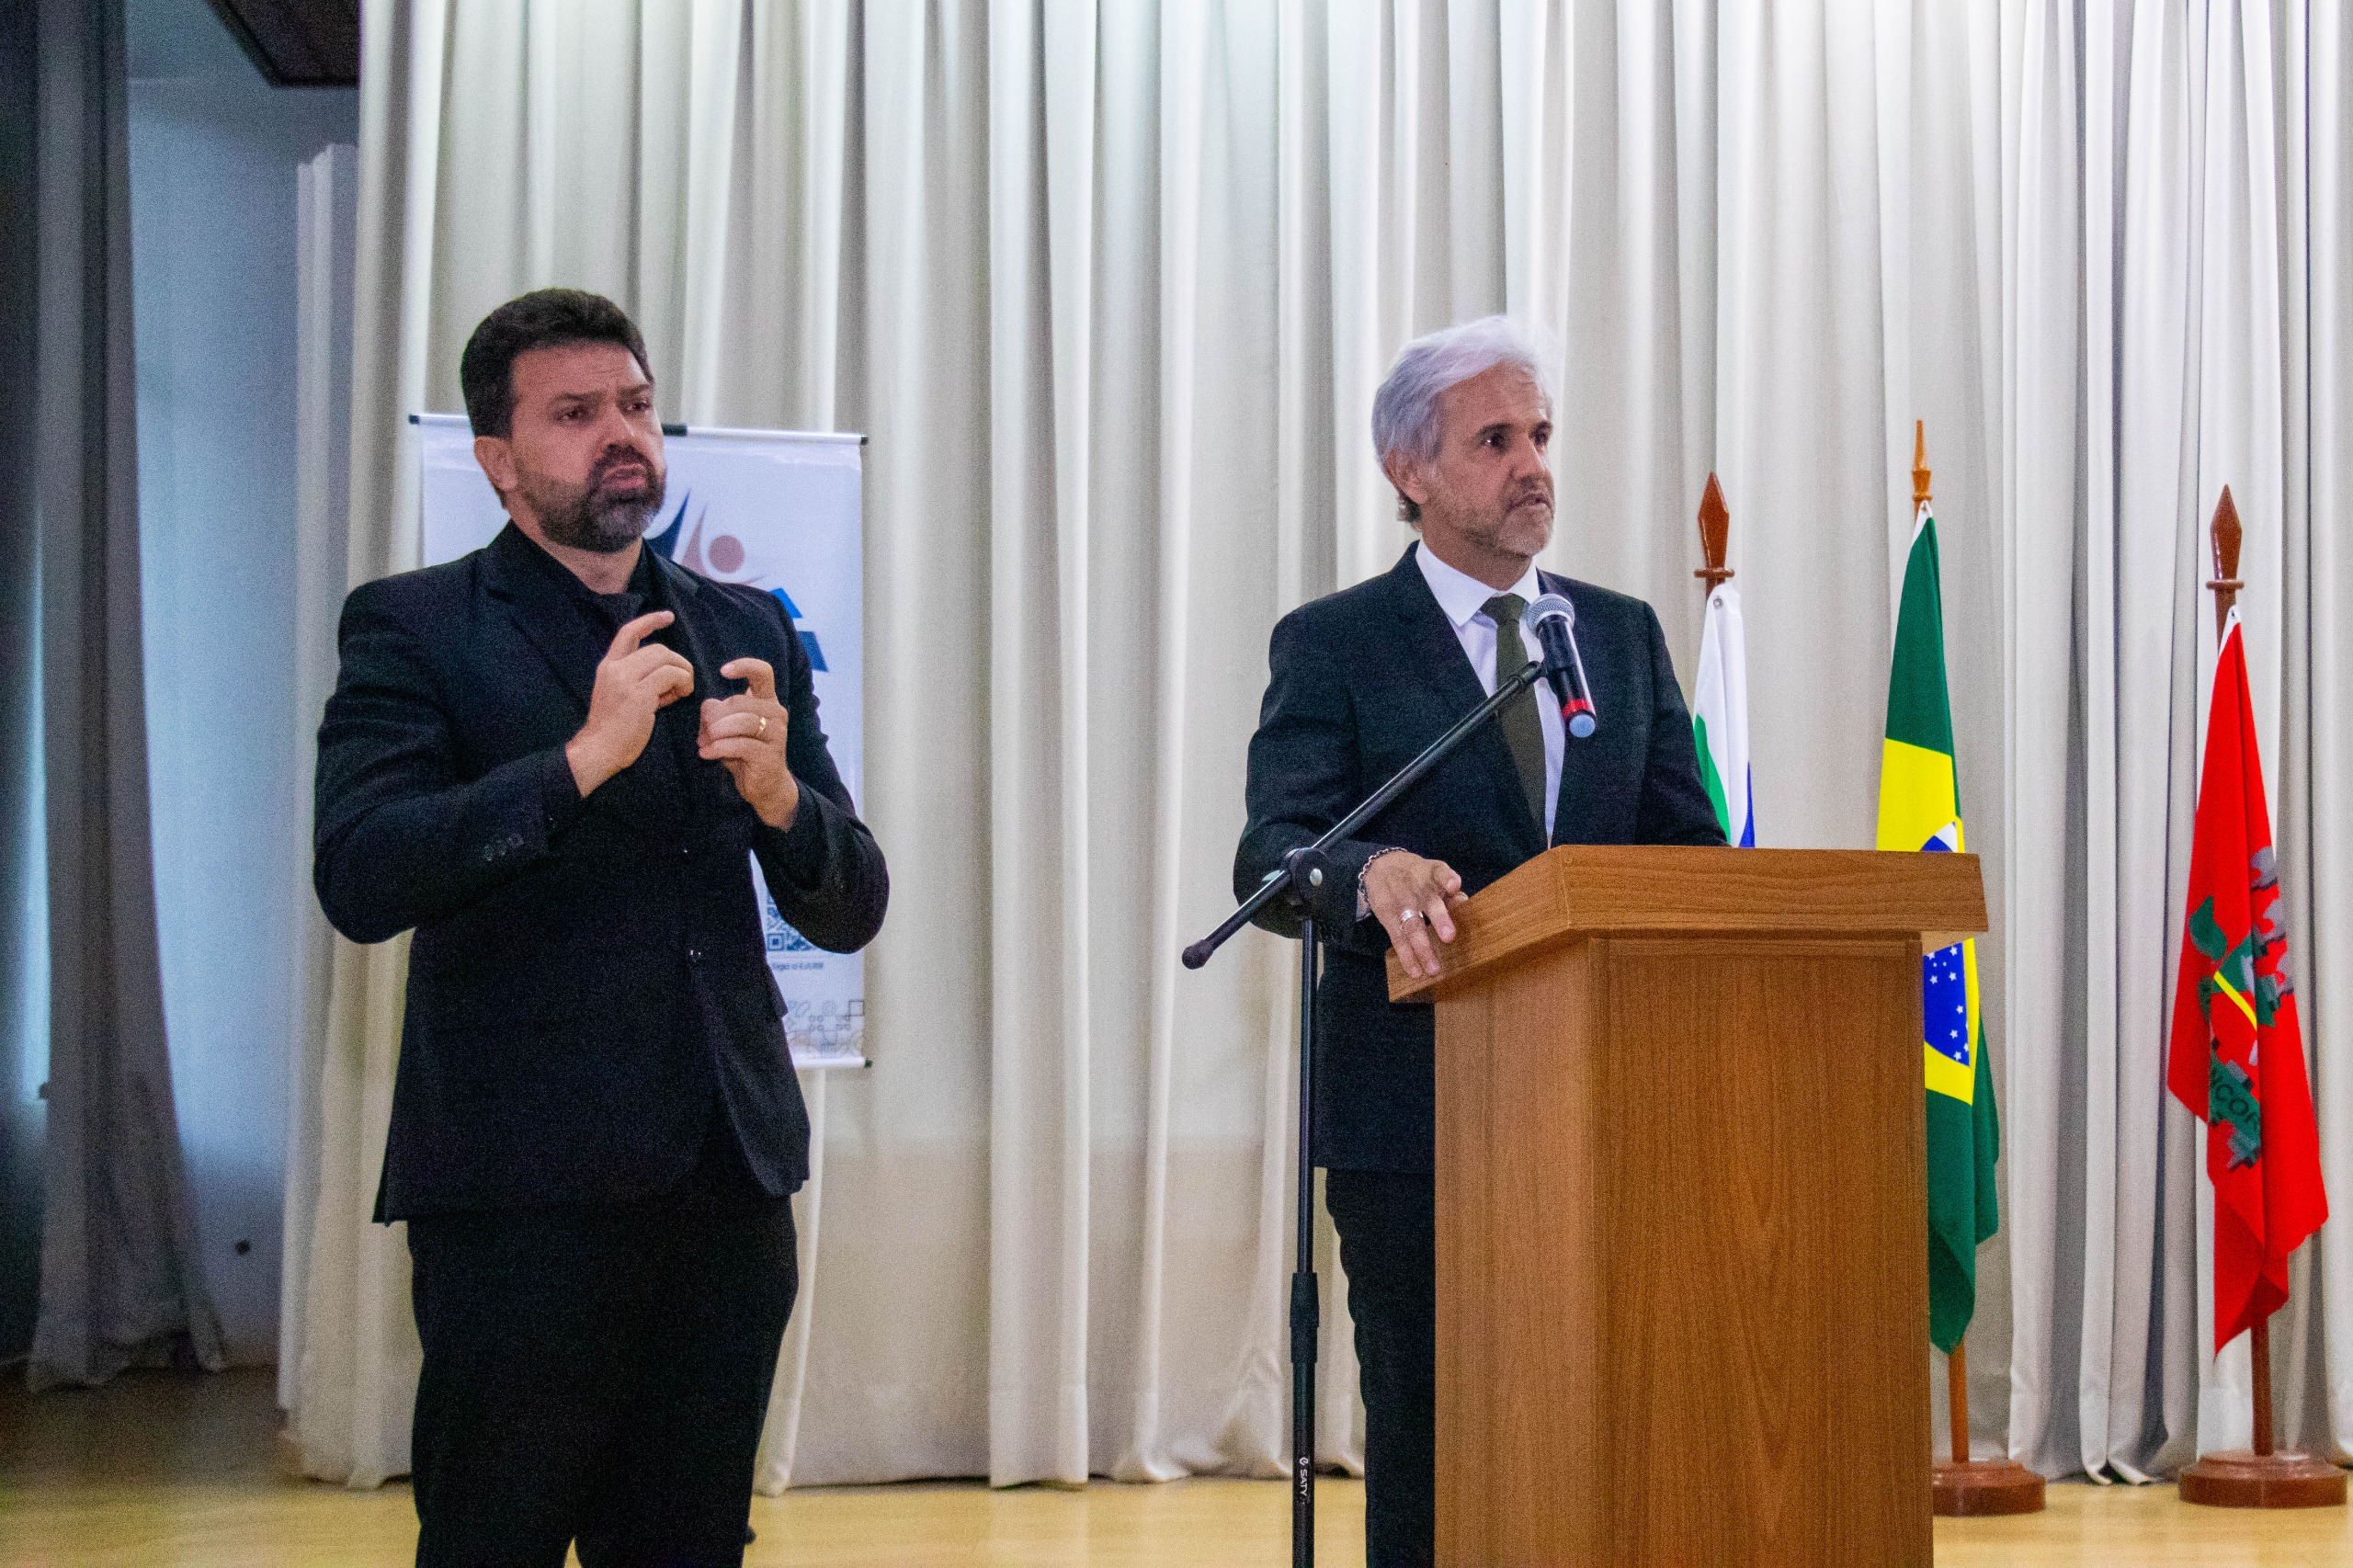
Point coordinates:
[(159, 1470)]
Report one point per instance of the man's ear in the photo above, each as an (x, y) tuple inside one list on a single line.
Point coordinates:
[(497, 459), (1405, 478)]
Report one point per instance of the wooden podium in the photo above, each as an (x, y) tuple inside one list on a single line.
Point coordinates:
[(1682, 1243)]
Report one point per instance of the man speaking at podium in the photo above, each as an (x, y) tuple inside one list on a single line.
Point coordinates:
[(556, 759), (1362, 680)]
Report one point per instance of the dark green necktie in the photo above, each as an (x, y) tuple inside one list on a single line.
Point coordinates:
[(1522, 722)]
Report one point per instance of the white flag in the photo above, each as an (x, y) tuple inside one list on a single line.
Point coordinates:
[(1720, 717)]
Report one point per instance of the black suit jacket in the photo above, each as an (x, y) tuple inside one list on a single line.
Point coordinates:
[(588, 985), (1362, 680)]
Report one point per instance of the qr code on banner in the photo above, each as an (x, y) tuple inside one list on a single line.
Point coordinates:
[(822, 1029)]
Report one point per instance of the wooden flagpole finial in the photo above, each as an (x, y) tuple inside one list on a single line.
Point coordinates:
[(2227, 536), (1715, 532), (1919, 463)]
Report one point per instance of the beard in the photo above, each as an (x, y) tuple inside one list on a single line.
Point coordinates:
[(595, 517), (1523, 526)]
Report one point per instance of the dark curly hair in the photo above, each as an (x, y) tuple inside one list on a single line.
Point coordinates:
[(540, 319)]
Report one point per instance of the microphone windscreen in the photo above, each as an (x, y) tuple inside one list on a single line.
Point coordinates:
[(1551, 606)]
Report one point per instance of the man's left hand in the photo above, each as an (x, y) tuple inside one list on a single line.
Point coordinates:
[(745, 735)]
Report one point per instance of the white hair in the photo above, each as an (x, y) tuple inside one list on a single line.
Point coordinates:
[(1405, 411)]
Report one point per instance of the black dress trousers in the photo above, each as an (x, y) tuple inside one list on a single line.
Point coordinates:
[(600, 1373), (1388, 1226)]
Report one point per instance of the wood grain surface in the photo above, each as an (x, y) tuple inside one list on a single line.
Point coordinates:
[(1683, 1289), (1581, 891), (1681, 1150)]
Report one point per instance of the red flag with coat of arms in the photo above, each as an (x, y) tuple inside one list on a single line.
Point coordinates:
[(2237, 1058)]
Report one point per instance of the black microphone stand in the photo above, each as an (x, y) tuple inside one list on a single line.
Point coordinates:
[(1303, 870)]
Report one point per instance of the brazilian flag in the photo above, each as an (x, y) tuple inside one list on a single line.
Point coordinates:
[(1919, 808)]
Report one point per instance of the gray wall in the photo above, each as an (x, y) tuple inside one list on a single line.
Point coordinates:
[(213, 154)]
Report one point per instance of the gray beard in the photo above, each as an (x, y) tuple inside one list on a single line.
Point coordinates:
[(602, 526)]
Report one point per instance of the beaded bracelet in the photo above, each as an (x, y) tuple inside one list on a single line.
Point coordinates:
[(1364, 903)]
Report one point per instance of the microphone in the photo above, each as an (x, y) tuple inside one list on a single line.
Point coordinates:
[(1555, 619)]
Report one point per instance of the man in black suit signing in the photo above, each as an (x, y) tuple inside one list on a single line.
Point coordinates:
[(596, 1127), (1363, 680)]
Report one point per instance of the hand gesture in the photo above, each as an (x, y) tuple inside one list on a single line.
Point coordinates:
[(1413, 897), (745, 735), (632, 683)]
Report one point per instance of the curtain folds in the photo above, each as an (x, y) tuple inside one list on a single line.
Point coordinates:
[(23, 937), (1110, 287), (121, 1278), (326, 229)]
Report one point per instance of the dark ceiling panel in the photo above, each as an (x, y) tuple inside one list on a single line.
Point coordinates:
[(298, 43)]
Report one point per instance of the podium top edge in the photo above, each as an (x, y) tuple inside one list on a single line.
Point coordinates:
[(1699, 893)]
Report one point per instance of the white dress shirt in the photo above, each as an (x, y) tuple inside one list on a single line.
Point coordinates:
[(1464, 599)]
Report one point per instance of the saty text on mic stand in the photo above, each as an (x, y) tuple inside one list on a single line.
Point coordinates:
[(1300, 878)]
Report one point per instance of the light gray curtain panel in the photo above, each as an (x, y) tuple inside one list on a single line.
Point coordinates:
[(120, 1280)]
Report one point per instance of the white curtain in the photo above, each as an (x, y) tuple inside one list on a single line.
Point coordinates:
[(326, 228), (1111, 286)]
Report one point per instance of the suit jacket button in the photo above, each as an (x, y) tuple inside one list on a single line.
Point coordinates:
[(694, 955)]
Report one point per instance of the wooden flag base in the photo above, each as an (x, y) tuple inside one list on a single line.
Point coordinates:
[(1985, 1486), (2238, 1479), (2263, 1478), (1962, 1487)]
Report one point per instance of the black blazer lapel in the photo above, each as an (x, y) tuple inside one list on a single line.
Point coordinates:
[(682, 596), (535, 606), (1430, 642), (693, 634)]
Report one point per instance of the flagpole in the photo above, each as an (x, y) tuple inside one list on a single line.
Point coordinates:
[(1957, 1395), (2262, 1477), (2259, 1344), (1961, 1484)]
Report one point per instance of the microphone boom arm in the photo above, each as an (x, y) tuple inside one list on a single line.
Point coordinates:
[(1310, 864)]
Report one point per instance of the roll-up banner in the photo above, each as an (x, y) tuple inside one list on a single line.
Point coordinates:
[(779, 510)]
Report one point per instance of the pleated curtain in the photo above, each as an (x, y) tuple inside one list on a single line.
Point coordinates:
[(1109, 285), (121, 1278)]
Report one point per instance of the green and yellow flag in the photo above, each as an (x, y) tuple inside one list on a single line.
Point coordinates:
[(1919, 808)]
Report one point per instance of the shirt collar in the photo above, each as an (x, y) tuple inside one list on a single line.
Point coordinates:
[(642, 579), (1462, 596)]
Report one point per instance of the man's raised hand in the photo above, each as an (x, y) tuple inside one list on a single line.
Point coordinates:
[(745, 735), (634, 681)]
